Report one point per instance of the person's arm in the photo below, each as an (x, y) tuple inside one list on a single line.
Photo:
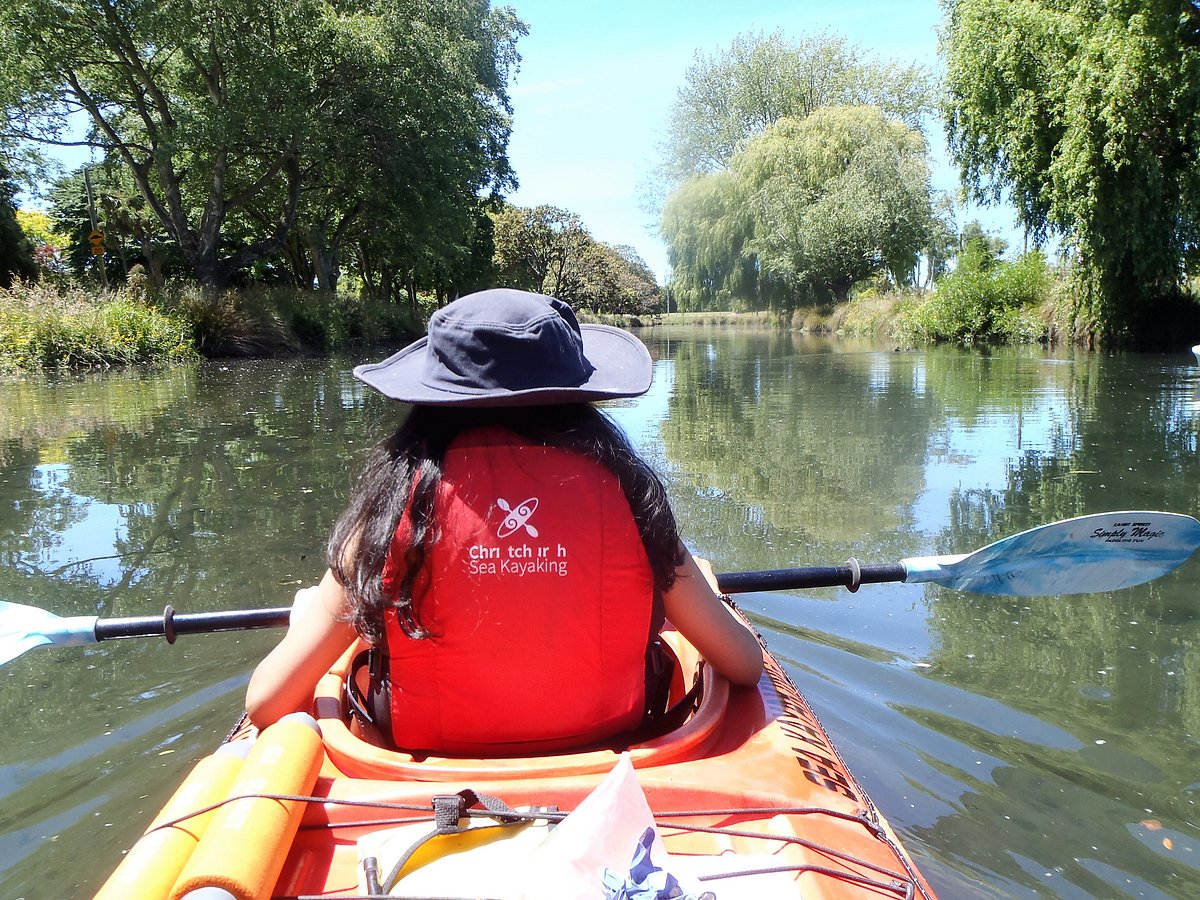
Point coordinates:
[(695, 608), (285, 680)]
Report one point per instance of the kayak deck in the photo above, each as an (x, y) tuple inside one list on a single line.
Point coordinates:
[(750, 784)]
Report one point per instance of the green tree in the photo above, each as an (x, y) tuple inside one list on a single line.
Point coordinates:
[(68, 202), (984, 300), (16, 250), (807, 209), (730, 96), (637, 285), (992, 246), (706, 229), (941, 241), (1088, 117), (240, 121), (408, 186), (548, 250), (540, 249), (615, 280)]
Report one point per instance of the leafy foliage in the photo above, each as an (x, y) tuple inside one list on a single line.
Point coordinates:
[(983, 300), (258, 321), (250, 127), (39, 228), (732, 95), (807, 209), (43, 329), (548, 250), (16, 250), (1088, 117)]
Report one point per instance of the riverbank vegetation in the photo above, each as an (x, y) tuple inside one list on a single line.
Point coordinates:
[(1087, 123), (44, 328), (64, 319), (796, 176), (259, 186), (273, 177), (795, 171)]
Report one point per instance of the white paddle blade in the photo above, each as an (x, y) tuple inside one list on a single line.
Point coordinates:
[(1085, 555), (22, 628)]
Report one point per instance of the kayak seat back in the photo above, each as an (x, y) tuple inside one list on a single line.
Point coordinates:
[(351, 751)]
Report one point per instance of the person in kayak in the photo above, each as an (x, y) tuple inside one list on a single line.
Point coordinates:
[(506, 554)]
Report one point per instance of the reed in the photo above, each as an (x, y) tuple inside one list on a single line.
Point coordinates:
[(44, 327)]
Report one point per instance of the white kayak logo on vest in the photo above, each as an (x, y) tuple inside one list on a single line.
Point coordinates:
[(517, 558), (518, 517)]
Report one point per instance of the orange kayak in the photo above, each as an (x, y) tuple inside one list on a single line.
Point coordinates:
[(747, 798)]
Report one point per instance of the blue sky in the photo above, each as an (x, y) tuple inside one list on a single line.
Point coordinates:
[(597, 80)]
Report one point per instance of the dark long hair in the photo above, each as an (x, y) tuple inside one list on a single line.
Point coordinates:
[(403, 473)]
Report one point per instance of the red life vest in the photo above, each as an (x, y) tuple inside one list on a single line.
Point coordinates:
[(539, 599)]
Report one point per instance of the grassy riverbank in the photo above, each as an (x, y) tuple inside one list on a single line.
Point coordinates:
[(45, 327), (886, 317), (67, 326), (985, 301)]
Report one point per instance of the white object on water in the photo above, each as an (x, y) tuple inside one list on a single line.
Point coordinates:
[(1196, 353)]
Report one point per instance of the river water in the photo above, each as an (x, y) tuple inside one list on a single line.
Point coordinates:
[(1022, 747)]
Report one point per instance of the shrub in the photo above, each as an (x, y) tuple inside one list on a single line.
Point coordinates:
[(982, 301), (873, 314), (230, 322), (42, 326), (266, 321)]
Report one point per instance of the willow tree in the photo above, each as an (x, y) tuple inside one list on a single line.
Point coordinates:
[(240, 119), (706, 227), (1086, 115), (807, 209), (731, 95)]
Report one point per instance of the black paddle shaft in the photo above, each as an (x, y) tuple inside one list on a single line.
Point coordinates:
[(850, 575), (171, 623)]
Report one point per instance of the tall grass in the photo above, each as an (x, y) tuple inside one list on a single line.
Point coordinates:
[(268, 321), (43, 327), (874, 314)]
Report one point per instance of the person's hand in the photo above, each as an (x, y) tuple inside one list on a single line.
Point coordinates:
[(303, 600)]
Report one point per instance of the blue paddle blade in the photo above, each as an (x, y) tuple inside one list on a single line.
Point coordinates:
[(1089, 554), (24, 627)]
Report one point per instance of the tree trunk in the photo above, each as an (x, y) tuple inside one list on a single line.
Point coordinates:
[(325, 267), (154, 264), (297, 259)]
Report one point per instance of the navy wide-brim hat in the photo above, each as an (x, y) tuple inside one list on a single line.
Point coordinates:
[(504, 347)]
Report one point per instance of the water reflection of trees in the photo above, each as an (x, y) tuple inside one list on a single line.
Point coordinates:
[(780, 453), (780, 450), (223, 482), (784, 457), (1126, 663), (1082, 792)]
